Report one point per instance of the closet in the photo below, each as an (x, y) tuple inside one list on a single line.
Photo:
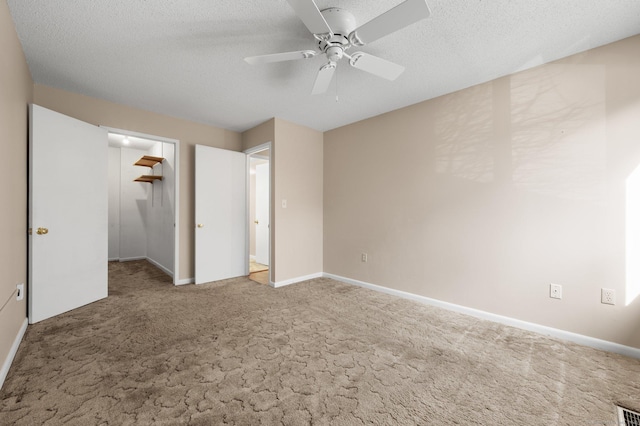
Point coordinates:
[(141, 201)]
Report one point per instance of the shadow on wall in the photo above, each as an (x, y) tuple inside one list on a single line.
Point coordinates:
[(142, 208), (554, 142)]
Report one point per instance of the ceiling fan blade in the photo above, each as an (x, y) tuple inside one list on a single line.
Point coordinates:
[(310, 15), (402, 15), (280, 57), (325, 74), (376, 66)]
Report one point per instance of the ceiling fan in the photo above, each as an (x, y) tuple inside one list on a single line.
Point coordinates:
[(335, 31)]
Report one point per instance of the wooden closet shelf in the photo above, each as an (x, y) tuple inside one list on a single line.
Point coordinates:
[(148, 178), (148, 161)]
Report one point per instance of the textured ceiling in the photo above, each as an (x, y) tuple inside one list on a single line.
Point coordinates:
[(184, 58)]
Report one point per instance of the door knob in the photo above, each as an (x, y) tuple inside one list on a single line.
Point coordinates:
[(255, 221), (42, 231), (200, 225)]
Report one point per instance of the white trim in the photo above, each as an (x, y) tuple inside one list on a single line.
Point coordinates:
[(252, 257), (176, 207), (258, 148), (295, 280), (148, 259), (161, 267), (12, 352), (115, 259), (536, 328), (185, 281), (139, 135), (176, 215), (249, 152), (129, 259)]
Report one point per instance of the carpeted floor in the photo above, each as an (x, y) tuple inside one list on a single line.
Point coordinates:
[(318, 352)]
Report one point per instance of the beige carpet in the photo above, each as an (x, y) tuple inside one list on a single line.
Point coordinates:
[(318, 352)]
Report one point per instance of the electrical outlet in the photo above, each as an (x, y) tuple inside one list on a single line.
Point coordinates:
[(555, 291), (608, 296), (20, 293), (364, 257)]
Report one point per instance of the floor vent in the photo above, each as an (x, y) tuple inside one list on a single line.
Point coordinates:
[(627, 417)]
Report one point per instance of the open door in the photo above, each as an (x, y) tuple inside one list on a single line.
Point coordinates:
[(221, 209), (67, 213)]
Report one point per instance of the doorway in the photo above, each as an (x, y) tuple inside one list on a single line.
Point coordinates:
[(143, 199), (259, 182)]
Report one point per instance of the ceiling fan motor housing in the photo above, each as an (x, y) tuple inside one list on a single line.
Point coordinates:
[(342, 23)]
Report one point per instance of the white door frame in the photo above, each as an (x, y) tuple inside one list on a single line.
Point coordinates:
[(176, 206), (260, 196), (249, 152)]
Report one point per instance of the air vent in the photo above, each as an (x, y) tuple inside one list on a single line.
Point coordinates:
[(627, 417)]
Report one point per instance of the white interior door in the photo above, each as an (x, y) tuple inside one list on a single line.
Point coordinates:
[(262, 213), (67, 213), (221, 208)]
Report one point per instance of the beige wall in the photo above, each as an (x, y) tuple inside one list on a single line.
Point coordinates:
[(104, 113), (16, 91), (484, 197), (258, 135), (298, 179), (296, 161)]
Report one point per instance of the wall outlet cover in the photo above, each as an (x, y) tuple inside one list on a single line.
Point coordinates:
[(555, 291), (608, 296), (20, 292)]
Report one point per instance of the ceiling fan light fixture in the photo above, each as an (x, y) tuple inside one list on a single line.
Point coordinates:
[(336, 31), (334, 53)]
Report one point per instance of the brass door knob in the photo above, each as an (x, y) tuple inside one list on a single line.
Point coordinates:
[(200, 225), (42, 231), (255, 221)]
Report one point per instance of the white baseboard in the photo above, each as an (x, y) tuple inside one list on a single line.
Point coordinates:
[(536, 328), (157, 265), (295, 280), (129, 259), (185, 281), (161, 267), (252, 257), (12, 352)]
